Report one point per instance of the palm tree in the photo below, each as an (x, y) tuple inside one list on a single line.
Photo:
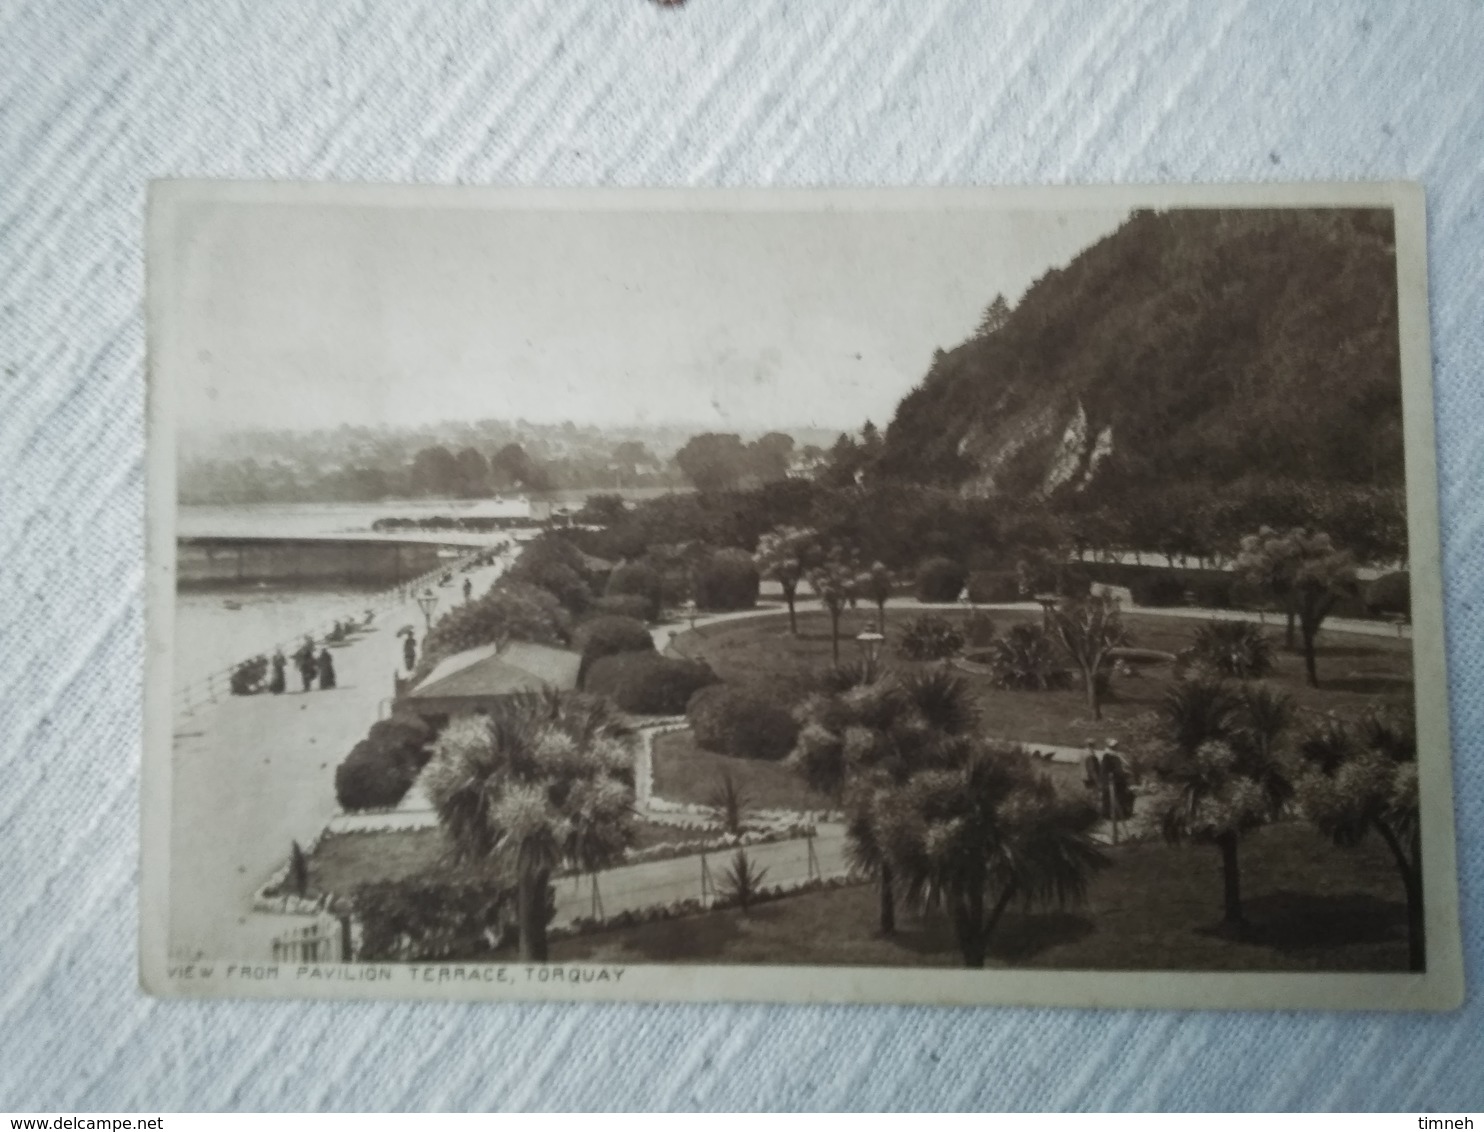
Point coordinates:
[(544, 780), (1364, 779), (1224, 771), (864, 738), (981, 835)]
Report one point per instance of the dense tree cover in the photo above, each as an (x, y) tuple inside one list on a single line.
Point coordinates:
[(456, 459), (1185, 353), (716, 461)]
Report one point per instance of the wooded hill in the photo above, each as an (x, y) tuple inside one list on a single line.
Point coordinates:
[(1191, 348)]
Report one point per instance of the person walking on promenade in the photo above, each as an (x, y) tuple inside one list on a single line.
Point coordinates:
[(409, 652), (277, 683), (326, 670), (468, 589), (304, 661)]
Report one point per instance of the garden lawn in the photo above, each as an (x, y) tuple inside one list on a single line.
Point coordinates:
[(684, 772), (342, 861), (1356, 672), (1311, 907)]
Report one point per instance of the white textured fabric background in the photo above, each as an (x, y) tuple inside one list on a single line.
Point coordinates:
[(97, 97)]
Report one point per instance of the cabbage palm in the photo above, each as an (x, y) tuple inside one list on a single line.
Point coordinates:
[(864, 738), (1363, 779), (984, 834), (545, 780), (1224, 771)]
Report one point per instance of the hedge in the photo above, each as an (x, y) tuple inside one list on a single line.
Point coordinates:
[(558, 579), (731, 721), (609, 636), (989, 586), (621, 605), (648, 684), (727, 580), (1390, 593), (511, 609), (638, 579), (940, 579), (382, 767), (1157, 590)]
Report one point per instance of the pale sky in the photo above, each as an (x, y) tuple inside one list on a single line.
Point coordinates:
[(310, 316)]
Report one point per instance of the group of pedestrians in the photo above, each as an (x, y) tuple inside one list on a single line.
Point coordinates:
[(312, 667), (1109, 778)]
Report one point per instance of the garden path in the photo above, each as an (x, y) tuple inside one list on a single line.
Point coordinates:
[(665, 635), (652, 883), (253, 773)]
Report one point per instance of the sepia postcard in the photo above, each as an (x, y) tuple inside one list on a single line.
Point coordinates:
[(962, 596)]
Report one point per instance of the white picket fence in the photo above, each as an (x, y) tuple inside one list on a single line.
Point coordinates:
[(322, 940)]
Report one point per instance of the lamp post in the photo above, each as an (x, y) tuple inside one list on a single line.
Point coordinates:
[(870, 640), (427, 601)]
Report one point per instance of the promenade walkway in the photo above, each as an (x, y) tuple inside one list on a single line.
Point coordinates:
[(253, 773)]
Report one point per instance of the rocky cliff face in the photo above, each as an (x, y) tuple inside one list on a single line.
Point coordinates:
[(1187, 346)]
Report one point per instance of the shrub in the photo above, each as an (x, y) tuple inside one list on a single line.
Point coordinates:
[(930, 638), (939, 579), (403, 737), (381, 768), (558, 579), (648, 684), (609, 636), (990, 586), (1157, 590), (1027, 659), (434, 919), (1233, 648), (367, 780), (621, 605), (727, 580), (1390, 593), (638, 579), (735, 722), (979, 628)]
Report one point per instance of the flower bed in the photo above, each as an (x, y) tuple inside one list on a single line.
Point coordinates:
[(672, 850)]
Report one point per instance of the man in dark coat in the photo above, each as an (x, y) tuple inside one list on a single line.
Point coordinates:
[(409, 652), (326, 670)]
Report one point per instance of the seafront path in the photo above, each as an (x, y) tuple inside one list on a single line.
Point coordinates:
[(254, 773)]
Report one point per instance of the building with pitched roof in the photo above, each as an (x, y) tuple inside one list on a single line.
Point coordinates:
[(476, 679)]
